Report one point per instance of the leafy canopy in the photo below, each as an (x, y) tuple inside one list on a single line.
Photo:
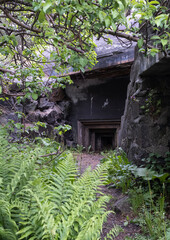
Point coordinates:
[(61, 32)]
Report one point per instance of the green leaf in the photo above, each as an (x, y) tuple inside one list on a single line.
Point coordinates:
[(114, 27), (102, 16), (115, 14), (126, 223), (18, 125), (46, 6), (168, 233), (164, 42), (153, 51), (121, 6), (145, 173), (109, 41), (34, 96), (154, 2), (41, 17), (158, 22), (0, 89), (155, 37), (140, 42), (107, 22), (162, 177)]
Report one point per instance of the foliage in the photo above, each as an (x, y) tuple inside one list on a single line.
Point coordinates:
[(152, 15), (36, 33), (138, 197), (114, 232), (119, 169), (63, 129), (147, 197), (48, 202), (151, 215), (125, 175), (156, 170), (21, 130), (158, 163), (152, 105)]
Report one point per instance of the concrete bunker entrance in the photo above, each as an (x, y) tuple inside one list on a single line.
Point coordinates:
[(98, 134)]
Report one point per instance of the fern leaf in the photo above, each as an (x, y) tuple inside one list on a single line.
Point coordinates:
[(113, 233)]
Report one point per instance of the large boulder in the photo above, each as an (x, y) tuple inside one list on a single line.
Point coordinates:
[(30, 107), (45, 104), (33, 116), (50, 116), (53, 115), (57, 95), (122, 205)]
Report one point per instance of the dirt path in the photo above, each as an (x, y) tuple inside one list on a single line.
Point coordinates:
[(85, 160)]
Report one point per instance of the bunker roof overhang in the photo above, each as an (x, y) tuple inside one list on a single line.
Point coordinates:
[(112, 66), (113, 60)]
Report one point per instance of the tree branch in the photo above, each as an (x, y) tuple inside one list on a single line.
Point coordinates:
[(17, 2), (124, 35), (18, 22), (13, 94), (51, 154), (74, 49), (6, 71)]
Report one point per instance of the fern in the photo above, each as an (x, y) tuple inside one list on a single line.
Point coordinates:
[(83, 207), (61, 183), (8, 226), (113, 233), (50, 203), (37, 220)]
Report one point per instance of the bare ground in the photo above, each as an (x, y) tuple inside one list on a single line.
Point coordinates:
[(85, 160)]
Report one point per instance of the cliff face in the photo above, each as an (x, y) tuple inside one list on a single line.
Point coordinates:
[(145, 125)]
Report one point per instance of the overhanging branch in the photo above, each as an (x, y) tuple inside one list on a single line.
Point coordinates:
[(124, 35), (6, 71), (18, 22)]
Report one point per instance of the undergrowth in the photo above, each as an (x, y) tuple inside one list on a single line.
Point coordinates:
[(43, 197), (148, 190)]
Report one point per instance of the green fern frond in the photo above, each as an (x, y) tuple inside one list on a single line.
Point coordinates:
[(60, 185), (8, 227), (37, 219), (6, 234), (92, 228), (84, 206), (21, 176), (113, 233)]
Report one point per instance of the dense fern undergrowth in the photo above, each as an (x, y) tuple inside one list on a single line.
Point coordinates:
[(41, 201)]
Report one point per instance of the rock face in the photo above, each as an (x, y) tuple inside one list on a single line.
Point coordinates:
[(46, 110), (45, 104), (31, 106), (145, 126), (122, 205)]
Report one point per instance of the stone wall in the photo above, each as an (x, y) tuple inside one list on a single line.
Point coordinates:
[(145, 125)]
